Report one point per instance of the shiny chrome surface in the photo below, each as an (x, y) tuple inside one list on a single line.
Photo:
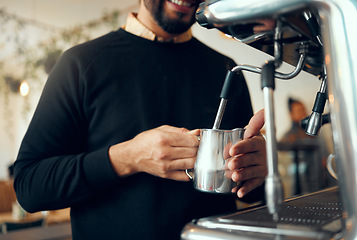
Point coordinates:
[(241, 67), (284, 76), (340, 47), (210, 166), (339, 36), (220, 112), (273, 185), (213, 181), (314, 216), (314, 122), (228, 12), (314, 125)]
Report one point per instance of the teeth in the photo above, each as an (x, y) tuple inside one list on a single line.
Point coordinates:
[(181, 3)]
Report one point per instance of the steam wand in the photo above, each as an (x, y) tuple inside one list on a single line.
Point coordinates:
[(230, 77), (225, 93), (273, 185), (313, 123)]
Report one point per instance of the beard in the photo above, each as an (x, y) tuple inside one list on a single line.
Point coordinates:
[(168, 24)]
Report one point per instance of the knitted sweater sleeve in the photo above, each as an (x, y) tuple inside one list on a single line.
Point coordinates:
[(54, 169)]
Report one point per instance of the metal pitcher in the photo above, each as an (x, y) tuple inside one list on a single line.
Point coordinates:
[(209, 173)]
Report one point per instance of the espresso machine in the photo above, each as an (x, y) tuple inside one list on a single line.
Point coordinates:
[(325, 44)]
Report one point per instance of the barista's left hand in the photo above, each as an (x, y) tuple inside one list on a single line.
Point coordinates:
[(248, 161)]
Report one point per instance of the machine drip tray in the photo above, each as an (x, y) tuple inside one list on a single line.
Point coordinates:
[(313, 216)]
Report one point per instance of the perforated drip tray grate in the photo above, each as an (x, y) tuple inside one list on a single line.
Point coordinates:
[(311, 215), (314, 213), (317, 209)]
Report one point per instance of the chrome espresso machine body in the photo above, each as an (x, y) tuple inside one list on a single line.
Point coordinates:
[(332, 34)]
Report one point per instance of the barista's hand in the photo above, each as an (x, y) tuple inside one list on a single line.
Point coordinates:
[(248, 162), (164, 151)]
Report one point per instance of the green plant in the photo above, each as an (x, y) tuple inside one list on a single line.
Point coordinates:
[(28, 57)]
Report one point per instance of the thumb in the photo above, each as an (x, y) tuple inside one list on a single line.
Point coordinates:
[(195, 132), (255, 124)]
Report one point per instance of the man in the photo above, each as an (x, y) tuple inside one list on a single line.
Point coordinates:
[(297, 113), (109, 137), (310, 151)]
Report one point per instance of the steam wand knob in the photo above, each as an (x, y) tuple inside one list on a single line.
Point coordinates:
[(315, 120)]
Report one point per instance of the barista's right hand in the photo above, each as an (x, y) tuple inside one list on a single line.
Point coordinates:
[(164, 151)]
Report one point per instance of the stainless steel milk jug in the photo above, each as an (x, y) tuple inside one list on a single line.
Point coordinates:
[(213, 153)]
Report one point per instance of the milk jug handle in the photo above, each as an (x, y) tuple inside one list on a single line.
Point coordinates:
[(190, 173)]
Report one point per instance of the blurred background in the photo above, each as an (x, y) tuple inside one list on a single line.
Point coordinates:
[(34, 33)]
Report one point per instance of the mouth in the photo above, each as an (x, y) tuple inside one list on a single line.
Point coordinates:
[(182, 3), (183, 6)]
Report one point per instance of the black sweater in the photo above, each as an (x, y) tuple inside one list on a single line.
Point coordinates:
[(107, 91)]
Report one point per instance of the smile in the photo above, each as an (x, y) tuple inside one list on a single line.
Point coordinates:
[(181, 3)]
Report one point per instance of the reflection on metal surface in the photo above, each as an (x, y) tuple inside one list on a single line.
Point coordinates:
[(336, 19), (295, 27), (314, 216)]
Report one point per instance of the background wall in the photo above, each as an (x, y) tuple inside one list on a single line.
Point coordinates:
[(47, 18)]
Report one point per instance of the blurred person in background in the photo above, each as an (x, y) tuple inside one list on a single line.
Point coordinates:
[(297, 112), (312, 150)]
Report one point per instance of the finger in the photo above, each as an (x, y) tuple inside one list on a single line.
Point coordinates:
[(249, 186), (226, 150), (225, 166), (178, 176), (174, 153), (179, 130), (229, 173), (176, 139), (255, 124), (253, 144), (239, 185), (173, 129), (195, 132), (181, 141), (249, 173), (235, 189), (181, 164), (245, 160)]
